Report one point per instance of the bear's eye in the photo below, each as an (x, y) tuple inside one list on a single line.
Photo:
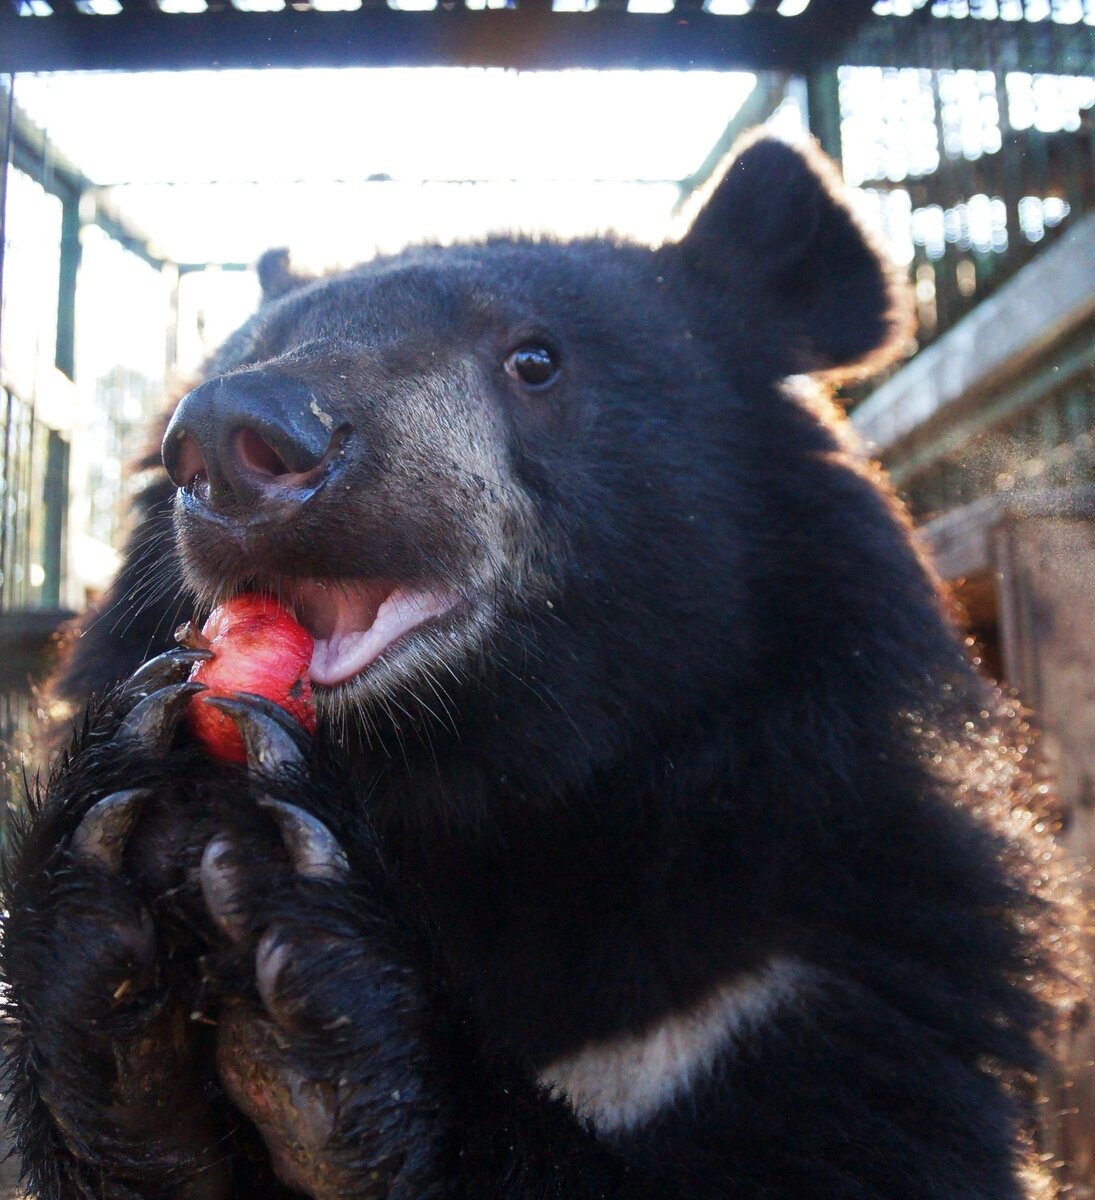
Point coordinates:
[(534, 366)]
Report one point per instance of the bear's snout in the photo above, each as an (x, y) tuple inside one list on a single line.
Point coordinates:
[(252, 446)]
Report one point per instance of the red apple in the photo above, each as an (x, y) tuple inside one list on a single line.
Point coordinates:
[(257, 647)]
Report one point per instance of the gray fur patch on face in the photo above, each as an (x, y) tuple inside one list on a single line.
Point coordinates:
[(619, 1084), (452, 458), (449, 470)]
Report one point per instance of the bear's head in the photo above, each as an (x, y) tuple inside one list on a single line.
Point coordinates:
[(550, 490)]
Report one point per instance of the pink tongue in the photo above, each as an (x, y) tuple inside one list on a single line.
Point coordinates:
[(320, 607), (352, 628)]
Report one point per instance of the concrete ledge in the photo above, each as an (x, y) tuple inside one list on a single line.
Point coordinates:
[(1045, 301)]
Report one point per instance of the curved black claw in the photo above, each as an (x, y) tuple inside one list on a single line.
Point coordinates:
[(311, 845), (272, 738), (276, 713), (171, 667), (153, 720), (218, 883), (100, 838)]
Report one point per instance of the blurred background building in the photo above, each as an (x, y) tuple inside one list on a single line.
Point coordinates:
[(146, 163)]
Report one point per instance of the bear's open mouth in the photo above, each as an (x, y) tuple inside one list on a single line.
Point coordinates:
[(353, 624)]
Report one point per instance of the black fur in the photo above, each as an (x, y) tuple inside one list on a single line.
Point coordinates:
[(718, 719)]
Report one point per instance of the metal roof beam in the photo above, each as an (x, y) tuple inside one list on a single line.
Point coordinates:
[(528, 37)]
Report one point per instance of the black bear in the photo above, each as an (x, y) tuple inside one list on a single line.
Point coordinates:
[(659, 839)]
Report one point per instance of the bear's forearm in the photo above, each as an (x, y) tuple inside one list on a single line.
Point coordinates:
[(104, 1070), (76, 1143)]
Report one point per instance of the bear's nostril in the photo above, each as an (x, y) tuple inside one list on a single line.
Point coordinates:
[(258, 456), (185, 462)]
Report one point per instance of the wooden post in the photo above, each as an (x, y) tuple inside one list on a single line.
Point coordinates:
[(1046, 577)]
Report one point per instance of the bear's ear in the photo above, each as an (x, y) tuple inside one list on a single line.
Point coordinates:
[(778, 235), (276, 275)]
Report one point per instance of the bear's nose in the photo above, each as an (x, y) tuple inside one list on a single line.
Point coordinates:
[(241, 442)]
